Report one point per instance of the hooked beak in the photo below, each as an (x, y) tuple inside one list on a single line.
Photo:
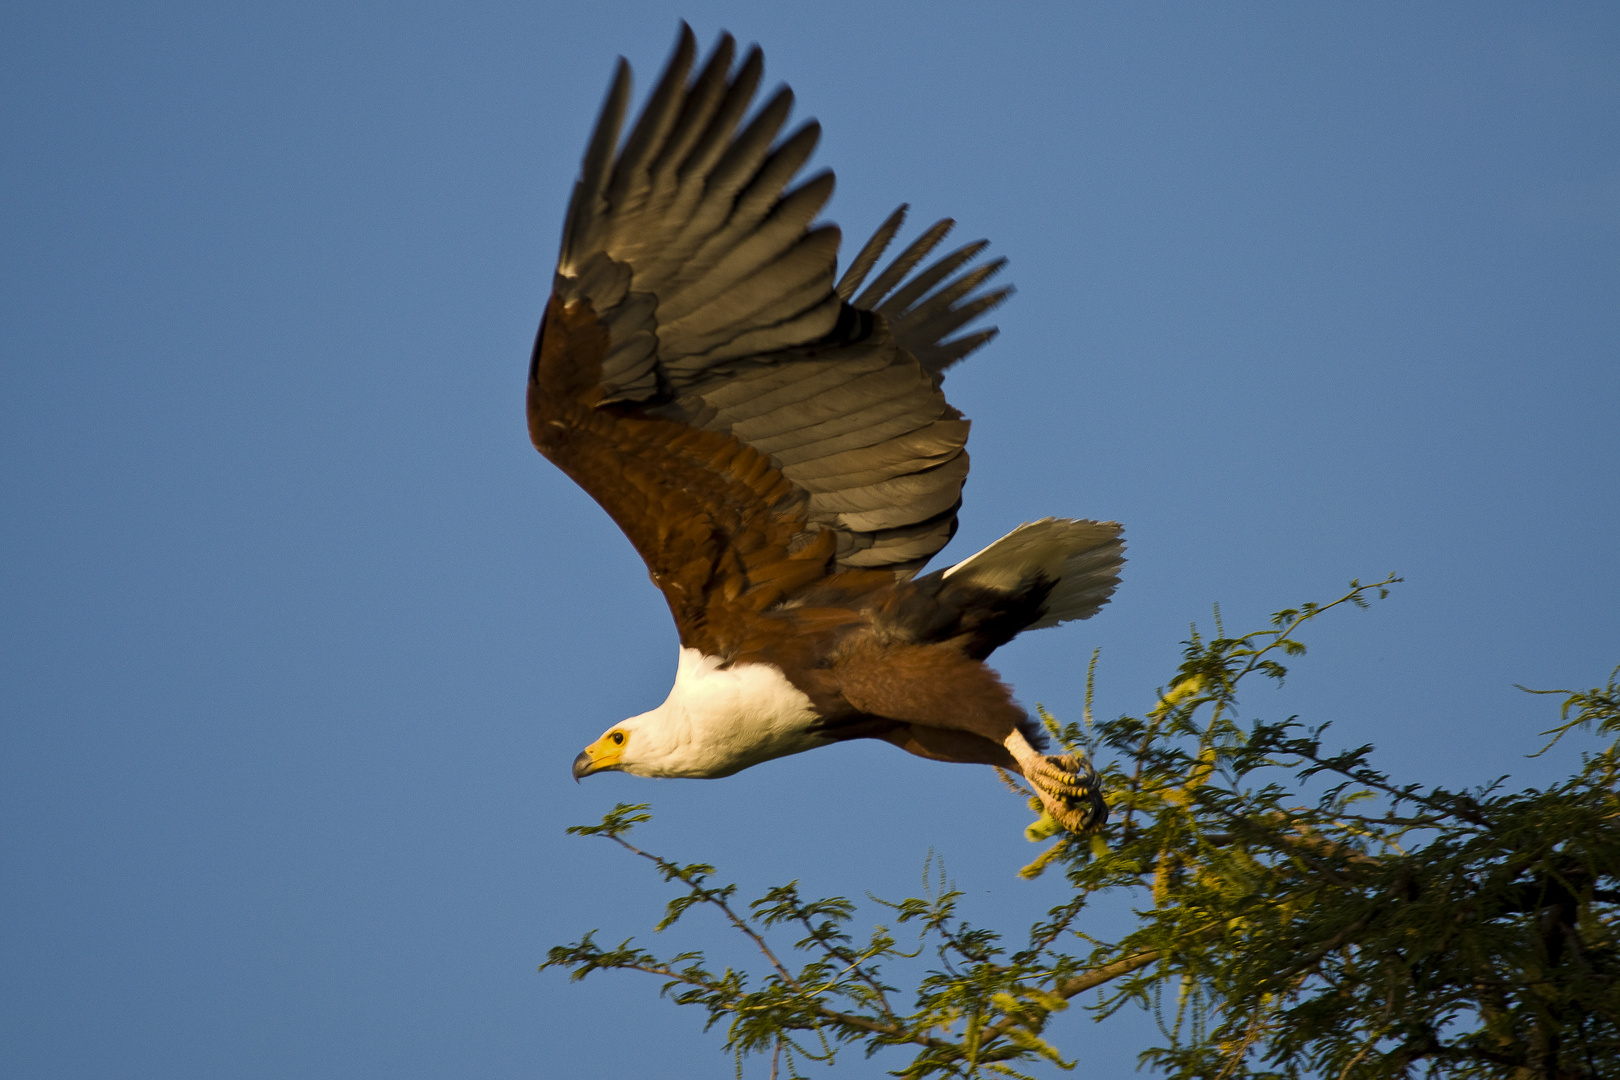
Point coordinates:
[(600, 756)]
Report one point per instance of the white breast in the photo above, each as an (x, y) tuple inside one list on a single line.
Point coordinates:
[(717, 721)]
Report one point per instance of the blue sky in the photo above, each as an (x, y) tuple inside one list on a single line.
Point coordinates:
[(302, 636)]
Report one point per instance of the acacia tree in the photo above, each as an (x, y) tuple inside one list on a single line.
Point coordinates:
[(1369, 929)]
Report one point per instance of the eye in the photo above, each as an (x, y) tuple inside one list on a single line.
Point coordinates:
[(618, 738)]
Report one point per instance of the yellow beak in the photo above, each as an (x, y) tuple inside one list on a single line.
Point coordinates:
[(600, 756)]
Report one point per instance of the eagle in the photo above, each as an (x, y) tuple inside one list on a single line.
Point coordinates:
[(773, 440)]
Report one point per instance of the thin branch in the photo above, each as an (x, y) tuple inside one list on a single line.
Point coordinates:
[(1079, 984), (708, 896), (853, 960)]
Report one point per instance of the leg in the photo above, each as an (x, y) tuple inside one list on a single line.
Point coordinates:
[(1067, 785), (957, 709)]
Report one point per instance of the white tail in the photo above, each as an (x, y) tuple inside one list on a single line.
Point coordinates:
[(1083, 557)]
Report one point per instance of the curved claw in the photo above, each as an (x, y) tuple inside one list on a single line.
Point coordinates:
[(1068, 788)]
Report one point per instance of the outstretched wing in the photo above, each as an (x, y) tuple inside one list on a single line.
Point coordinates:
[(751, 424)]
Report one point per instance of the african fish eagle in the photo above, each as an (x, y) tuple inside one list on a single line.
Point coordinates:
[(776, 446)]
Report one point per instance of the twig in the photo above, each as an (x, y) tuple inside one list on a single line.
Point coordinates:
[(708, 896)]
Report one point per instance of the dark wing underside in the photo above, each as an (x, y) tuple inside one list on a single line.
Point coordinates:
[(751, 424)]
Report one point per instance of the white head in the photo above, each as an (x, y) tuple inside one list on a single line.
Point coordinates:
[(643, 745), (717, 720)]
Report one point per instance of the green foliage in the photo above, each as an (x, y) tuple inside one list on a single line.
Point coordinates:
[(1370, 929)]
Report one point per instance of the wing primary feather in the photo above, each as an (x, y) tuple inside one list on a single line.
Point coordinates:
[(751, 248), (783, 164), (749, 149), (706, 93), (712, 144), (657, 116), (945, 354), (584, 207), (714, 319), (871, 253), (708, 271), (946, 322), (903, 263), (666, 263), (737, 165), (917, 287), (941, 301)]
